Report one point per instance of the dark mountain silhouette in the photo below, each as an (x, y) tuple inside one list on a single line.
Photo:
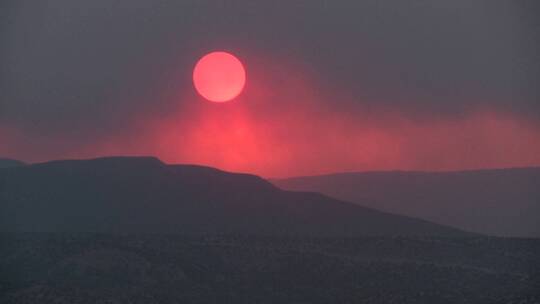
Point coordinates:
[(7, 163), (503, 202), (120, 194)]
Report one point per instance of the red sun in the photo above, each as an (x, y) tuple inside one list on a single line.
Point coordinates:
[(219, 76)]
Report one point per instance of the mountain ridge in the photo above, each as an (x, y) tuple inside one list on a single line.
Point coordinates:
[(134, 194), (9, 162), (501, 202)]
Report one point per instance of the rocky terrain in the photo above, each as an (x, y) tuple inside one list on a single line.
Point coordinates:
[(98, 268)]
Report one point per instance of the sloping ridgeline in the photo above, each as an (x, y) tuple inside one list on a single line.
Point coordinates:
[(7, 163), (144, 195), (500, 202)]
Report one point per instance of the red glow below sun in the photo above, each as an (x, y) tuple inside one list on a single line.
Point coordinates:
[(219, 76)]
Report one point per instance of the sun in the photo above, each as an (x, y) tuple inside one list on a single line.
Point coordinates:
[(219, 76)]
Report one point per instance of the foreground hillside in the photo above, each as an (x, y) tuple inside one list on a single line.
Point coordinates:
[(502, 202), (90, 268), (145, 195)]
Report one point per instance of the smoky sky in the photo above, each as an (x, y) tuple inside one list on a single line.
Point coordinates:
[(86, 69)]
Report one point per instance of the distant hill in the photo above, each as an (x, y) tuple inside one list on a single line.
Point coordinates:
[(7, 163), (502, 202), (145, 195)]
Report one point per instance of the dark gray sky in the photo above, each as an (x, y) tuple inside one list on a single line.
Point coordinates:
[(75, 71)]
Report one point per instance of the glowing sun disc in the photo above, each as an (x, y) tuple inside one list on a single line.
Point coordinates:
[(219, 76)]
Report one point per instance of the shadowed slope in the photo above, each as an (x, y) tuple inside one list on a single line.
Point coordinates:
[(145, 195), (503, 202), (7, 163)]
